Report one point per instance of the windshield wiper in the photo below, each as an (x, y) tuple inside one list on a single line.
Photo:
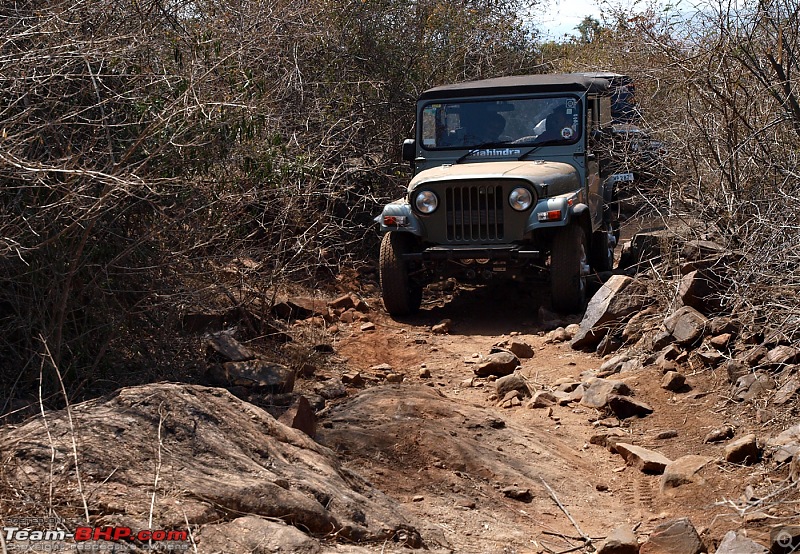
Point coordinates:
[(480, 147), (537, 146)]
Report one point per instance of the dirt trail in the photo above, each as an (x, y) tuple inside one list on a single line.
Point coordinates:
[(447, 451)]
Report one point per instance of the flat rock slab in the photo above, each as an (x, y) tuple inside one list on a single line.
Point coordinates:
[(646, 461), (683, 471)]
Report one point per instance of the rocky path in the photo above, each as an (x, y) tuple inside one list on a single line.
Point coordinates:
[(474, 427), (485, 469)]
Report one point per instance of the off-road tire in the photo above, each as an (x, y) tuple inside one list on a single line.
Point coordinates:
[(401, 295), (568, 262), (602, 253)]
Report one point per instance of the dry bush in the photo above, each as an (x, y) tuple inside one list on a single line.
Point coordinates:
[(161, 155), (720, 89)]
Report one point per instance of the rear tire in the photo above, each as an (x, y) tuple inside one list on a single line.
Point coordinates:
[(568, 270), (401, 295)]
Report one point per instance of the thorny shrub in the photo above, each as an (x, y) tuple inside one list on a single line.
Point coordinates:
[(162, 155)]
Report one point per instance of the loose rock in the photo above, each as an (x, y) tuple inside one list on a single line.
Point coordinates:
[(646, 461), (625, 407), (621, 540), (734, 543), (598, 391), (499, 364), (743, 451), (542, 399), (721, 434), (673, 381), (673, 537), (683, 471), (514, 382), (517, 493)]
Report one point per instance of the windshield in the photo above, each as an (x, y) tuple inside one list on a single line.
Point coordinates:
[(523, 121)]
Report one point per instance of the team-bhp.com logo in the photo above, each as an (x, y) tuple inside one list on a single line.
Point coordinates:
[(22, 538)]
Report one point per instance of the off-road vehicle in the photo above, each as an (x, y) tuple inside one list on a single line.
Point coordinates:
[(509, 180)]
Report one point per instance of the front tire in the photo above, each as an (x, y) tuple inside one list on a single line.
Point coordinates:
[(603, 244), (401, 295), (569, 266)]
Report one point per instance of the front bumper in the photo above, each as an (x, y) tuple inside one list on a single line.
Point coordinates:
[(484, 252)]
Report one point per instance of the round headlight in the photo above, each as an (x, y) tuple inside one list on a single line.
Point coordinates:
[(426, 202), (520, 199)]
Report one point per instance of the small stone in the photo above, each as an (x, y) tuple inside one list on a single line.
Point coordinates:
[(673, 381), (721, 434), (466, 504), (443, 327), (395, 378), (514, 382), (614, 364), (621, 540), (520, 349), (353, 379), (557, 335), (369, 326), (542, 399), (382, 367), (498, 363), (720, 342), (418, 498), (517, 493), (424, 373), (572, 330), (596, 395), (667, 434)]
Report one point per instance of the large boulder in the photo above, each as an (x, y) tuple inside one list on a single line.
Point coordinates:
[(187, 454), (618, 299)]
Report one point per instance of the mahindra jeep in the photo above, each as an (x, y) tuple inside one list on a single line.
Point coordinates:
[(509, 180)]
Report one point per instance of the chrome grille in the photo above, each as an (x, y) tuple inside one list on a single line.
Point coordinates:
[(474, 213)]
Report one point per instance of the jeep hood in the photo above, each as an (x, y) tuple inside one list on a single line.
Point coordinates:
[(560, 177)]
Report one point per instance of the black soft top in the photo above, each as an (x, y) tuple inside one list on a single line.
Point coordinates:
[(520, 84)]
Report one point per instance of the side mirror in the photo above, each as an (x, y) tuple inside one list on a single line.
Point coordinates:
[(409, 150)]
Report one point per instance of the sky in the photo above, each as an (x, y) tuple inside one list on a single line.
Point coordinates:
[(559, 17)]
